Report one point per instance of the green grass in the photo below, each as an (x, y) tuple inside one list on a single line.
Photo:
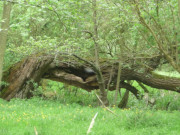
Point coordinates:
[(69, 112), (50, 117)]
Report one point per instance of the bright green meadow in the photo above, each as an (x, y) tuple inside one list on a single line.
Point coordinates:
[(71, 112)]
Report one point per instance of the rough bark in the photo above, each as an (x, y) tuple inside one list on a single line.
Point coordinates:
[(24, 74)]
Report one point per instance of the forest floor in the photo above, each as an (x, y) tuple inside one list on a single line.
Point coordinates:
[(72, 115)]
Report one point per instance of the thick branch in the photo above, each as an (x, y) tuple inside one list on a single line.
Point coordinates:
[(23, 74)]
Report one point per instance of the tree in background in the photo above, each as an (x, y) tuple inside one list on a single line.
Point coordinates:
[(4, 32), (164, 29)]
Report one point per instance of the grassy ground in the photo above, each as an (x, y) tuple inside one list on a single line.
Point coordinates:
[(71, 114), (69, 111), (20, 117)]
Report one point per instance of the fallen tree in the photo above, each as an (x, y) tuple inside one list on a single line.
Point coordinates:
[(22, 76)]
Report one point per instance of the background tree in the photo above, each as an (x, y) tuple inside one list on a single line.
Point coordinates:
[(4, 32), (179, 8), (166, 38)]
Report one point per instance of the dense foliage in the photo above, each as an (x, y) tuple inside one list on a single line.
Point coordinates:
[(63, 26)]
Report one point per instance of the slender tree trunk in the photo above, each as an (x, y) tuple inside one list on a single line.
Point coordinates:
[(179, 8), (4, 32), (103, 93), (177, 53), (124, 100), (157, 8), (118, 82), (121, 43)]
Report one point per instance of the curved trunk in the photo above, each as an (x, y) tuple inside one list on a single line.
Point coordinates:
[(22, 76)]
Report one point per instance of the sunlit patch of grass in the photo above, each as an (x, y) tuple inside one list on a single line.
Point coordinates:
[(70, 112), (54, 118), (169, 74)]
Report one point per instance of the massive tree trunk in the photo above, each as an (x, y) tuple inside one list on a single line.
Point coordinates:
[(22, 76)]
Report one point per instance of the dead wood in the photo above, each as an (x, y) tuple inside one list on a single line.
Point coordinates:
[(22, 76)]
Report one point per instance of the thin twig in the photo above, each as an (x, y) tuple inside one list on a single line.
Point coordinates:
[(105, 106), (35, 130), (92, 123)]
